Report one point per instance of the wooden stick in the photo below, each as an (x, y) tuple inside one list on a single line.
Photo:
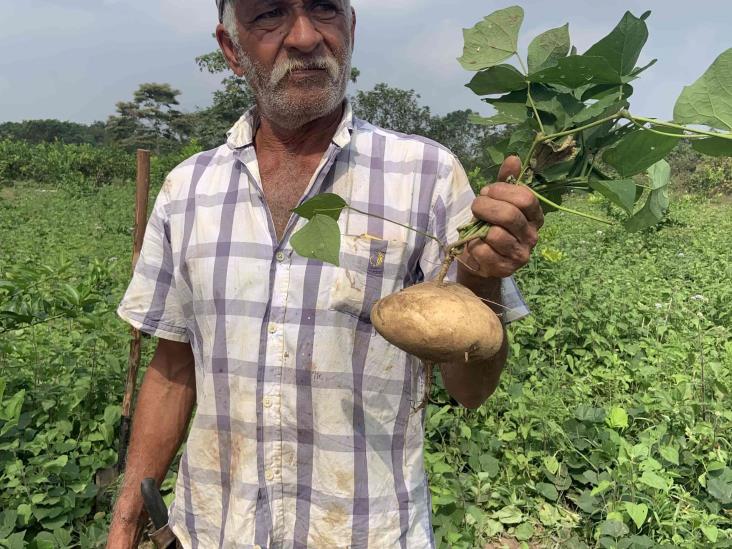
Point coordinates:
[(133, 364)]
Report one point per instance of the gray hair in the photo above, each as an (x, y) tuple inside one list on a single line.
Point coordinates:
[(230, 23)]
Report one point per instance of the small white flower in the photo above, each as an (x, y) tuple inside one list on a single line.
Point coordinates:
[(680, 254), (659, 305), (599, 232), (698, 297)]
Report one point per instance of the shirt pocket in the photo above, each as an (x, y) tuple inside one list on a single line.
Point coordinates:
[(370, 268)]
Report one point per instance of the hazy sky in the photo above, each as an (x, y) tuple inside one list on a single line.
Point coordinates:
[(74, 59)]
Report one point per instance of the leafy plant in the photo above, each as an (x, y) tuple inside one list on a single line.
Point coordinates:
[(571, 122)]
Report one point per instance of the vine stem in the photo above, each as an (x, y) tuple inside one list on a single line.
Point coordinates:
[(642, 120), (455, 249), (427, 235), (569, 210), (676, 135)]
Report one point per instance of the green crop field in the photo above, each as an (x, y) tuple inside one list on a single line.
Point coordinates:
[(612, 426)]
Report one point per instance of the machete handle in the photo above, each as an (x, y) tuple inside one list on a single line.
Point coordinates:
[(154, 503)]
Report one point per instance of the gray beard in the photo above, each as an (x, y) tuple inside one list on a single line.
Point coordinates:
[(285, 111)]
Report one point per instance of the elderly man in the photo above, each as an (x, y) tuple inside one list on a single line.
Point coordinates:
[(305, 432)]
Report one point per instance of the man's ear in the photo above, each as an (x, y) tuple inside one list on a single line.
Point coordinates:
[(228, 49)]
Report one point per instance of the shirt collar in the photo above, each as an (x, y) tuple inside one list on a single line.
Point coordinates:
[(242, 134)]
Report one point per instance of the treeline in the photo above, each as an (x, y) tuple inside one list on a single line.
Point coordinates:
[(49, 131)]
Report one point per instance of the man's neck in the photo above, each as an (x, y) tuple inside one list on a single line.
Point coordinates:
[(311, 138)]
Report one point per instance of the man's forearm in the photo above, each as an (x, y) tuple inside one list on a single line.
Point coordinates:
[(471, 383), (164, 407)]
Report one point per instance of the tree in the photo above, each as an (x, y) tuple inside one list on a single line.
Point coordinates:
[(393, 109), (209, 126), (150, 119), (467, 140)]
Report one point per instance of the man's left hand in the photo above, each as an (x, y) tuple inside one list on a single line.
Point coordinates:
[(515, 216)]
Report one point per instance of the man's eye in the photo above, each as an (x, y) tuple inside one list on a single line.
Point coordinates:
[(269, 15), (325, 8)]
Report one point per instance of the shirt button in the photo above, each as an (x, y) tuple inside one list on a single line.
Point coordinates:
[(267, 402), (269, 475), (280, 256), (272, 328), (257, 547)]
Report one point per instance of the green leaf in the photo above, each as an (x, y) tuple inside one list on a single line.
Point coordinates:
[(551, 464), (16, 540), (713, 146), (637, 512), (509, 515), (7, 522), (549, 491), (45, 540), (587, 502), (524, 532), (521, 140), (601, 91), (492, 40), (548, 48), (327, 204), (589, 414), (623, 46), (711, 532), (649, 478), (71, 294), (601, 488), (708, 101), (55, 465), (494, 153), (490, 465), (617, 418), (577, 70), (613, 528), (511, 109), (720, 487), (498, 79), (24, 512), (10, 409), (601, 108), (319, 239), (562, 106), (670, 454), (639, 70), (658, 201), (112, 414), (620, 192), (638, 151)]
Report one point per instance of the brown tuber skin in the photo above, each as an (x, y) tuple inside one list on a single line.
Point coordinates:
[(441, 323)]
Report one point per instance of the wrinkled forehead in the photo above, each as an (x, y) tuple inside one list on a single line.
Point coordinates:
[(220, 4)]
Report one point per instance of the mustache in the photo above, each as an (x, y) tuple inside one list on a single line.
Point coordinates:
[(320, 62)]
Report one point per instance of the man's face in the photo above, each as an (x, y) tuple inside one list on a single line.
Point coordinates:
[(296, 56)]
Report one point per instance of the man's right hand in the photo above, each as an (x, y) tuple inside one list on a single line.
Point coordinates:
[(164, 408)]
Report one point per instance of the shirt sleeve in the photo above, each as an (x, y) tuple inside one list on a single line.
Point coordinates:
[(451, 208), (151, 303)]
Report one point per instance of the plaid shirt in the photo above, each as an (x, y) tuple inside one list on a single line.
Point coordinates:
[(305, 433)]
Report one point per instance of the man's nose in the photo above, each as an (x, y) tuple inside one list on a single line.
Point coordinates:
[(303, 35)]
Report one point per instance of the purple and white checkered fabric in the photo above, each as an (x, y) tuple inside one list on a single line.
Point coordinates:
[(304, 434)]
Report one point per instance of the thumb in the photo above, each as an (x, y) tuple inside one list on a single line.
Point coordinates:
[(511, 167)]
